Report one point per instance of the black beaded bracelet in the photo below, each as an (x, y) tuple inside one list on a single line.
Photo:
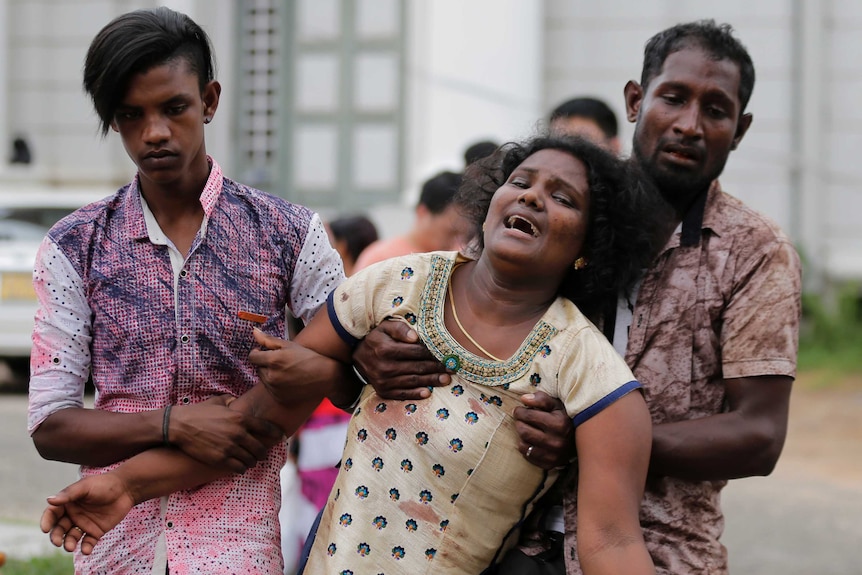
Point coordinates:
[(166, 421)]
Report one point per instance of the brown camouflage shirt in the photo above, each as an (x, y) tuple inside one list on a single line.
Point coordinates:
[(727, 307)]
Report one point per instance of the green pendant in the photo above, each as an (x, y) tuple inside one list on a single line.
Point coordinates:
[(452, 362)]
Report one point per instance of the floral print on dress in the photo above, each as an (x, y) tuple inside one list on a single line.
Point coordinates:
[(377, 464), (398, 552), (391, 434), (394, 495), (345, 520), (471, 418), (397, 301), (442, 414), (545, 350), (438, 470), (379, 522), (411, 525), (425, 496), (411, 318), (361, 492), (456, 445), (457, 390), (406, 465), (361, 435), (535, 380), (363, 549), (491, 400), (410, 408), (407, 273), (421, 438)]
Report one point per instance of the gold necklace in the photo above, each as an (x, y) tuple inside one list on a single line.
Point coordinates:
[(461, 327)]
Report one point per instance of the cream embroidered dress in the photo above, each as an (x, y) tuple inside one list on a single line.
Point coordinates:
[(438, 485)]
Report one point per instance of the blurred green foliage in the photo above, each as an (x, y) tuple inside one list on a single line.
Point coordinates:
[(830, 338), (59, 563)]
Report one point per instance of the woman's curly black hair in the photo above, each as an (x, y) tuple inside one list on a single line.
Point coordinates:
[(622, 232)]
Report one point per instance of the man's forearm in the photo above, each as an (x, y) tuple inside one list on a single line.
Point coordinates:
[(744, 441), (96, 437), (162, 471), (718, 447)]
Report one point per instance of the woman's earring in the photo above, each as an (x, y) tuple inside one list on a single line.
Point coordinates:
[(580, 263), (207, 120), (483, 227)]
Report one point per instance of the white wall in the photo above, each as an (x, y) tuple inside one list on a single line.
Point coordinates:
[(472, 74), (841, 178)]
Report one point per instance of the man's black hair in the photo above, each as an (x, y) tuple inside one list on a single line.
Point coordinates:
[(590, 108), (479, 150), (439, 190), (357, 231), (717, 40), (135, 42)]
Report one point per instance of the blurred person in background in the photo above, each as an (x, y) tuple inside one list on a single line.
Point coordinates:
[(477, 151), (350, 235), (438, 224), (589, 118)]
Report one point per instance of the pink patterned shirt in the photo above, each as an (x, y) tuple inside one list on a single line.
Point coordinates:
[(116, 300)]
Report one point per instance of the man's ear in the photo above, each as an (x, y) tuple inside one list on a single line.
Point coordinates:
[(741, 128), (210, 95), (114, 126), (634, 94)]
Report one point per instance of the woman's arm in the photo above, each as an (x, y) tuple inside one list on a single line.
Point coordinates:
[(96, 504), (613, 457)]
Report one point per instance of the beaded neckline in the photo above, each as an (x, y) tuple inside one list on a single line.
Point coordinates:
[(443, 346)]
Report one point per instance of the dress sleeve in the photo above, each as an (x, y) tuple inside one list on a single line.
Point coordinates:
[(318, 272), (355, 307), (62, 333), (592, 375)]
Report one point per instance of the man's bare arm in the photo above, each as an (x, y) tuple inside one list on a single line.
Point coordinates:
[(744, 441)]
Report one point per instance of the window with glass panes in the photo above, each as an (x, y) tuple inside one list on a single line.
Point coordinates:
[(320, 112)]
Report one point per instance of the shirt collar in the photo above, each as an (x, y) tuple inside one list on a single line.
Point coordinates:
[(208, 198)]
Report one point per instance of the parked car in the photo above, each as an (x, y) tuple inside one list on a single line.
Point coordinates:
[(26, 215)]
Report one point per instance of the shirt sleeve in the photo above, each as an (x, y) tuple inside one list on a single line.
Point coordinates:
[(760, 325), (60, 358), (318, 273)]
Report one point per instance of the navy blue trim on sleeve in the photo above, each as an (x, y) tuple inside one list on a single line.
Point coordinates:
[(339, 329), (605, 401)]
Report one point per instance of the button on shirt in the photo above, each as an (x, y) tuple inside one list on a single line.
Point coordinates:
[(117, 298)]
